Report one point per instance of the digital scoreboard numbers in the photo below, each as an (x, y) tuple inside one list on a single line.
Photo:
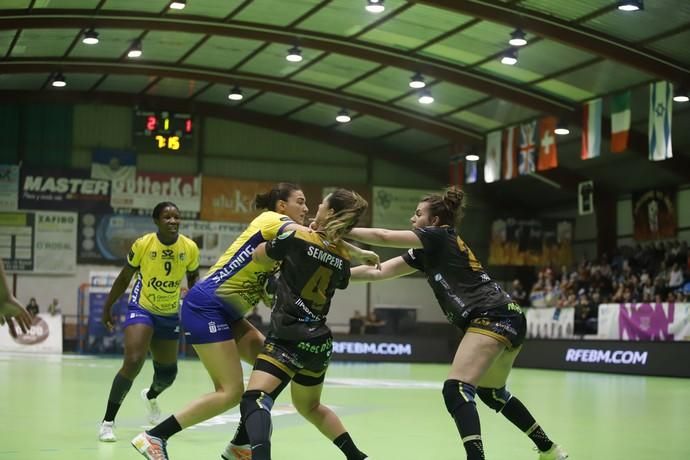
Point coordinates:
[(162, 131)]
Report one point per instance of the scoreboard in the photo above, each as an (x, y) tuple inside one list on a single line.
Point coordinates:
[(162, 131)]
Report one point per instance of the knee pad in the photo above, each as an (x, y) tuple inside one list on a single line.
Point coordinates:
[(254, 400), (163, 375), (495, 398), (457, 393)]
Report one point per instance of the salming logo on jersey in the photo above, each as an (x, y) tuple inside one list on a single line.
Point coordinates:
[(238, 261)]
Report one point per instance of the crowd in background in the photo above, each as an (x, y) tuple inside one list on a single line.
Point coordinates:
[(655, 272)]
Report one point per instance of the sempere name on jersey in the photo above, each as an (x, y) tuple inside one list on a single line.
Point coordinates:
[(325, 257)]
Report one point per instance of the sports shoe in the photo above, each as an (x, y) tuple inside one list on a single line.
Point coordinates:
[(234, 452), (555, 453), (106, 433), (150, 447), (153, 412)]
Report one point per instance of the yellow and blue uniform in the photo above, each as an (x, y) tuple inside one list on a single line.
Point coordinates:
[(233, 286), (155, 297)]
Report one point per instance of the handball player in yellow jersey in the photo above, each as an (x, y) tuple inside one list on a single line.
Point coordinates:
[(160, 260)]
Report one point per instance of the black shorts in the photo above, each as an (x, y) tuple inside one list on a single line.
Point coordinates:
[(305, 361), (506, 323)]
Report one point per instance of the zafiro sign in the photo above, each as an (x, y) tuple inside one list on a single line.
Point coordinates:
[(645, 321)]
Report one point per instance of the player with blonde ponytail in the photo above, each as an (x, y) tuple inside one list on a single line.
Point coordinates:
[(494, 325)]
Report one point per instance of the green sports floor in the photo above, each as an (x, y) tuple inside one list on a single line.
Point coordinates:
[(50, 408)]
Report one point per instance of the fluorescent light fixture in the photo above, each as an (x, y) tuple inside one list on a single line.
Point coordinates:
[(375, 6), (517, 38), (561, 129), (136, 50), (294, 54), (680, 94), (630, 5), (425, 97), (417, 81), (178, 4), (343, 117), (235, 94), (509, 57), (90, 37), (59, 80), (472, 157)]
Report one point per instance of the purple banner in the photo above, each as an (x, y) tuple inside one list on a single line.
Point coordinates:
[(643, 321)]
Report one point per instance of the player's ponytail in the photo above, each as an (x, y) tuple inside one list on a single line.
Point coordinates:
[(269, 200), (348, 206), (448, 207)]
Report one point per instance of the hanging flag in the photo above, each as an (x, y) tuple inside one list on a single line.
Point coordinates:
[(620, 121), (510, 153), (548, 153), (527, 147), (471, 172), (112, 165), (660, 108), (591, 129), (492, 165), (456, 170)]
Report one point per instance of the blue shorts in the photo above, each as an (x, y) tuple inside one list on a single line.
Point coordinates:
[(207, 319), (164, 327)]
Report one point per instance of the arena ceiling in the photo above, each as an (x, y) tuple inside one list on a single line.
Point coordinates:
[(363, 62)]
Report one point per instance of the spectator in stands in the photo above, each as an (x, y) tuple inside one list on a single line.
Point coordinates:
[(32, 307), (357, 323), (675, 278), (518, 292), (255, 318), (373, 325), (11, 311), (54, 308)]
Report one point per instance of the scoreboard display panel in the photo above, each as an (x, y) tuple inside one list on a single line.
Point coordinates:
[(162, 131)]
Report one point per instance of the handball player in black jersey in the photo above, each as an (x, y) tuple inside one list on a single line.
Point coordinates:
[(299, 343), (494, 325)]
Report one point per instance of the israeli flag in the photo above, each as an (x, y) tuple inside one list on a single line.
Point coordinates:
[(660, 108)]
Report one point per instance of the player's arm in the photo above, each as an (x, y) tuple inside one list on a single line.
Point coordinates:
[(259, 255), (192, 278), (385, 237), (119, 287), (390, 269), (275, 249), (10, 308)]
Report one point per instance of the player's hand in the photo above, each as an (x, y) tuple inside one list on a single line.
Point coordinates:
[(11, 311), (107, 319), (370, 258)]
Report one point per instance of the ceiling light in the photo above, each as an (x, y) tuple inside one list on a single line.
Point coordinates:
[(680, 95), (562, 129), (59, 80), (509, 57), (425, 97), (630, 5), (417, 81), (90, 37), (472, 157), (343, 117), (235, 94), (136, 49), (294, 54), (178, 4), (375, 6), (517, 38)]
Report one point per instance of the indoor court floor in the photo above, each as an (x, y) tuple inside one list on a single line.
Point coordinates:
[(50, 408)]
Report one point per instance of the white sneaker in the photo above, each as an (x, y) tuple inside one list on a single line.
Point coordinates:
[(233, 452), (106, 433), (153, 412), (150, 447), (555, 453)]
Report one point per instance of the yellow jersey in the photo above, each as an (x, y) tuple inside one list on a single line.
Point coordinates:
[(161, 269), (235, 278)]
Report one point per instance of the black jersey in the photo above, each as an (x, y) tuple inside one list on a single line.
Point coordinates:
[(311, 270), (457, 278)]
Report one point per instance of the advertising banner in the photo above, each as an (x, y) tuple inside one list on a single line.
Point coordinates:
[(40, 242), (645, 321), (224, 199), (63, 190), (531, 242), (213, 238), (9, 187), (654, 215), (142, 194), (99, 339), (382, 348), (550, 323), (45, 336), (393, 207)]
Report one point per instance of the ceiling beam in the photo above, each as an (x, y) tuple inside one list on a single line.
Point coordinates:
[(225, 112), (434, 68), (571, 34), (360, 104)]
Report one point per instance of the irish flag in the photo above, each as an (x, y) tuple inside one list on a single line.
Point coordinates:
[(591, 129), (620, 121)]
